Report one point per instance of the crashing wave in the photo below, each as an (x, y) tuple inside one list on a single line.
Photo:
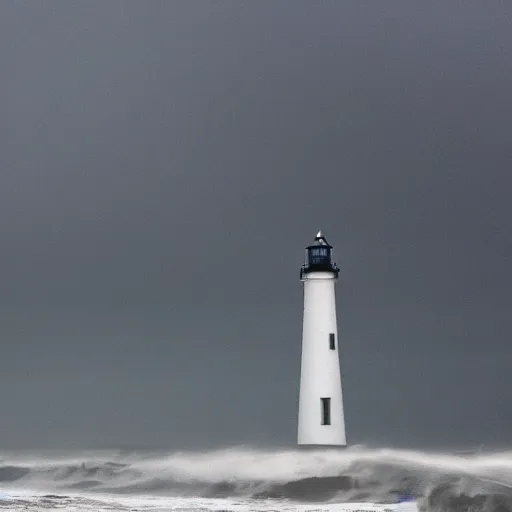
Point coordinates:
[(355, 475)]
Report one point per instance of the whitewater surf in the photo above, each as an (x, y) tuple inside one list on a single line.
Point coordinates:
[(242, 479)]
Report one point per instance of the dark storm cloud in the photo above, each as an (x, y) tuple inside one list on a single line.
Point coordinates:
[(163, 165)]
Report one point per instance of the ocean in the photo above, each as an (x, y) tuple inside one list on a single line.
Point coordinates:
[(244, 479)]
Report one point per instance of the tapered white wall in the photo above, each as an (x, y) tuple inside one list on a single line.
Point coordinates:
[(320, 369)]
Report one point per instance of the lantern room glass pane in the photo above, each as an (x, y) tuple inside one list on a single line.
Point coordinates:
[(319, 256)]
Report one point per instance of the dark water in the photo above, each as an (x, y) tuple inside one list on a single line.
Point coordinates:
[(80, 480)]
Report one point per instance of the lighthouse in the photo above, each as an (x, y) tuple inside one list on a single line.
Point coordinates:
[(321, 416)]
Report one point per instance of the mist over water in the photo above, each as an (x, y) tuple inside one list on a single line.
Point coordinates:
[(442, 481)]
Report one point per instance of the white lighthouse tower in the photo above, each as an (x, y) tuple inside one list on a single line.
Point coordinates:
[(321, 417)]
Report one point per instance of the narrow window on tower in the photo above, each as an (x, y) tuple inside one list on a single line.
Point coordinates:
[(326, 411), (332, 343)]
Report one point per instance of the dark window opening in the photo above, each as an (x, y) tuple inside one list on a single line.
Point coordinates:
[(326, 411), (332, 341)]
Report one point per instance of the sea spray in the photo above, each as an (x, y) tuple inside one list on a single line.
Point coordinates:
[(354, 474)]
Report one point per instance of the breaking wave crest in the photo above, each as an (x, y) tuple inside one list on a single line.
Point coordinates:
[(440, 481)]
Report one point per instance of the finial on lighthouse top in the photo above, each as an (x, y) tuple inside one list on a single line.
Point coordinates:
[(320, 239)]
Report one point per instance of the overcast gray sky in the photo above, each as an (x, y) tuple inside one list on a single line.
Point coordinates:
[(162, 166)]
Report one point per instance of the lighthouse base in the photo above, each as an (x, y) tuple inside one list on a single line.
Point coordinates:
[(321, 447)]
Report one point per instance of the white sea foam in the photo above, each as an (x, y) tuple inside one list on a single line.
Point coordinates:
[(241, 474)]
